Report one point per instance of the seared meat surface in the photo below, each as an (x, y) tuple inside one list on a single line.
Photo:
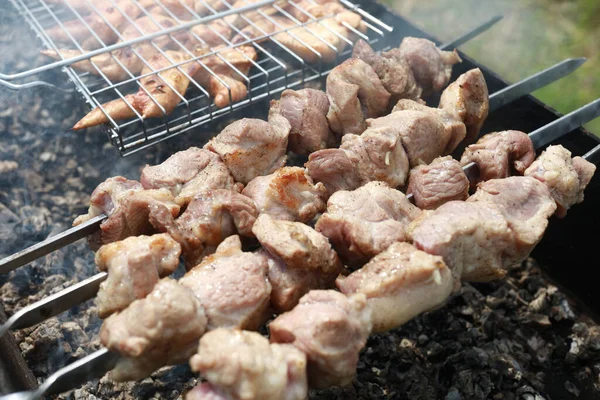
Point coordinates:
[(566, 177), (331, 329), (333, 168), (244, 365), (134, 265), (437, 183), (211, 216), (306, 111), (287, 194), (161, 329), (400, 283), (252, 147), (366, 221)]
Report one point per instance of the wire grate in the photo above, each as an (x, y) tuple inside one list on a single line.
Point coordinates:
[(107, 49)]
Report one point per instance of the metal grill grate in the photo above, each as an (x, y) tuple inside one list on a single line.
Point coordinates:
[(277, 66)]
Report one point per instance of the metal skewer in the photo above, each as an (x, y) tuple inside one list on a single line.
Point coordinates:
[(472, 33)]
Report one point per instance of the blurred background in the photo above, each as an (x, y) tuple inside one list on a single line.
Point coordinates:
[(533, 35)]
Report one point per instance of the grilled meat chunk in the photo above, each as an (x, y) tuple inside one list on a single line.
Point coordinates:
[(364, 222), (206, 391), (500, 154), (566, 177), (232, 286), (306, 111), (437, 183), (244, 365), (400, 283), (287, 194), (211, 216), (252, 147), (161, 329), (134, 266), (355, 93), (188, 172), (431, 66), (127, 206), (335, 169), (330, 329)]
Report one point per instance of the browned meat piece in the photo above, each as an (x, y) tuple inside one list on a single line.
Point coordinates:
[(252, 147), (188, 172), (330, 329), (134, 266), (306, 111), (240, 20), (287, 194), (244, 365), (355, 93), (468, 100), (262, 29), (334, 169), (215, 33), (127, 206), (400, 283), (437, 183), (364, 222), (296, 244), (566, 177), (210, 217), (393, 70), (205, 7), (82, 6), (423, 134), (232, 286), (500, 154), (177, 7), (431, 67), (161, 329)]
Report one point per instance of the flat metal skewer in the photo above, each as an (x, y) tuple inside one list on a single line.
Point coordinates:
[(472, 33)]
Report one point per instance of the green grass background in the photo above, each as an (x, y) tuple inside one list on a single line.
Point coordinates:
[(533, 35)]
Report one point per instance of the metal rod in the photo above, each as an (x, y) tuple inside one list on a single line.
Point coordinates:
[(471, 34), (593, 155)]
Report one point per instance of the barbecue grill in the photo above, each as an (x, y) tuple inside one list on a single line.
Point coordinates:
[(564, 253)]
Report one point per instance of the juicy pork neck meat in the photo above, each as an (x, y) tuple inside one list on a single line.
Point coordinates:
[(500, 154), (437, 183), (431, 66), (362, 223), (355, 93), (335, 169), (188, 172), (306, 111), (252, 147), (211, 216), (331, 329), (134, 265), (494, 229), (400, 283), (287, 194), (393, 70), (244, 365), (127, 206), (161, 329), (232, 286), (566, 177)]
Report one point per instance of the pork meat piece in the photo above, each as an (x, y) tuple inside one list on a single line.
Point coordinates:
[(455, 128), (211, 216), (232, 286), (188, 172), (437, 183), (526, 204), (566, 177), (244, 365), (431, 66), (362, 223), (306, 111), (161, 329), (134, 265), (400, 283), (334, 169), (287, 194), (331, 329), (297, 244), (355, 93), (468, 100), (252, 147), (206, 391), (127, 206), (393, 70), (500, 154)]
